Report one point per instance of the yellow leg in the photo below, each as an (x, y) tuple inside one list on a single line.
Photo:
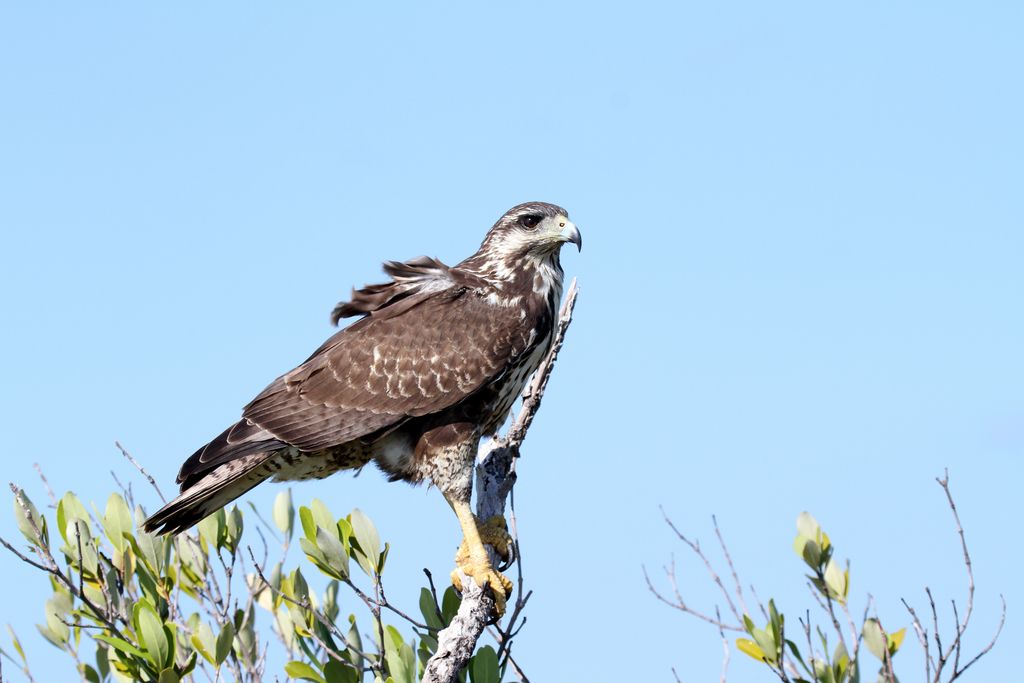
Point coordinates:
[(493, 532), (472, 556)]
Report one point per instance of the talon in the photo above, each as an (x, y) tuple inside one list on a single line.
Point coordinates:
[(472, 558), (486, 577)]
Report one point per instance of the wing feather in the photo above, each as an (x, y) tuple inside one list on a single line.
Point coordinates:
[(432, 350)]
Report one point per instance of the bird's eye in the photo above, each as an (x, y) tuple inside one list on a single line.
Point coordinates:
[(530, 221)]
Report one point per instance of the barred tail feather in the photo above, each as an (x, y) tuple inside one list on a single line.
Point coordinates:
[(211, 493)]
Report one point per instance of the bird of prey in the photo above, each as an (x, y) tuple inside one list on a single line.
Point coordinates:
[(434, 363)]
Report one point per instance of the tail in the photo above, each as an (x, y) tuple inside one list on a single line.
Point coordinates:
[(211, 492)]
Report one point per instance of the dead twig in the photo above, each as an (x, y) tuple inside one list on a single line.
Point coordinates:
[(951, 654), (142, 470)]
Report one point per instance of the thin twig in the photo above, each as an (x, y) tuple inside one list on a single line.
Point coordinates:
[(699, 552), (51, 565), (46, 485), (681, 605), (725, 647), (304, 604), (732, 568), (922, 637), (141, 469), (984, 651), (887, 656)]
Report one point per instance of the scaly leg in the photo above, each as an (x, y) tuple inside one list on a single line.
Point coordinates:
[(472, 556), (493, 532)]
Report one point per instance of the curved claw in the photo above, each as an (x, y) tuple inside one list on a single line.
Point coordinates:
[(486, 577)]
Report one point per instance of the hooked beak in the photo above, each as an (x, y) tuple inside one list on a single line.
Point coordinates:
[(570, 233)]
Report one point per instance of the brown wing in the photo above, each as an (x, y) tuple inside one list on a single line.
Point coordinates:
[(417, 357)]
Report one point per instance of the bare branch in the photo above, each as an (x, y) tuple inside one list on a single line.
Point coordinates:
[(51, 566), (141, 469), (495, 478), (732, 568), (984, 651), (680, 604), (922, 637), (699, 552), (46, 485), (725, 643), (304, 604)]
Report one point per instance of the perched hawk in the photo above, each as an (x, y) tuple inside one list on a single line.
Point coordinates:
[(435, 362)]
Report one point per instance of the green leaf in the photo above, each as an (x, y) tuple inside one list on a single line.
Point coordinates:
[(89, 673), (120, 645), (303, 671), (117, 521), (354, 639), (429, 610), (308, 523), (775, 622), (333, 551), (336, 672), (188, 667), (321, 515), (872, 632), (345, 532), (83, 556), (330, 604), (399, 656), (169, 676), (103, 661), (810, 551), (233, 528), (224, 641), (750, 647), (450, 602), (299, 585), (21, 502), (796, 653), (284, 513), (70, 507), (840, 659), (766, 642), (203, 642), (836, 580), (807, 526), (150, 629), (51, 637), (57, 609), (245, 633), (151, 548), (212, 528), (17, 644), (366, 540), (484, 666)]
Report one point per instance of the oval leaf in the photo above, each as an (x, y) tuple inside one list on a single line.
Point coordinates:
[(151, 634), (750, 647), (303, 672), (224, 640), (284, 513), (484, 668), (365, 534)]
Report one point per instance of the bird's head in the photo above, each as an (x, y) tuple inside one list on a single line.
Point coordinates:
[(534, 231)]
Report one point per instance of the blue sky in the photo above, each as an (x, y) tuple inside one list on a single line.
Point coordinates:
[(801, 287)]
